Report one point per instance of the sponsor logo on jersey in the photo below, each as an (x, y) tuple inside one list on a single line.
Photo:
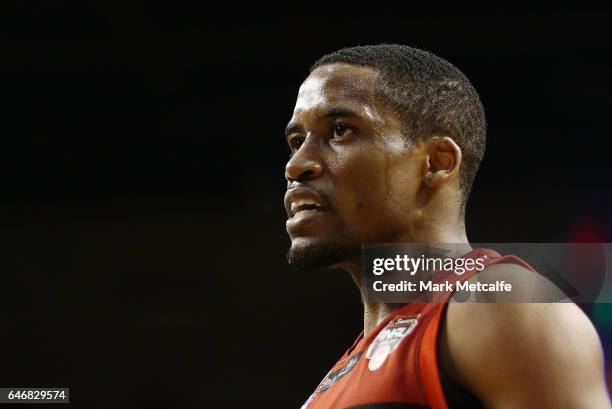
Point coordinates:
[(333, 376), (388, 339), (409, 320)]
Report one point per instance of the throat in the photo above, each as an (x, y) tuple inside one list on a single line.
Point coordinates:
[(373, 314)]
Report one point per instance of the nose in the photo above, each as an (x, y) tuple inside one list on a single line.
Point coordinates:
[(305, 163)]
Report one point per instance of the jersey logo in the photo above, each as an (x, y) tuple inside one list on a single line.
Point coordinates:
[(333, 376), (339, 373), (388, 339)]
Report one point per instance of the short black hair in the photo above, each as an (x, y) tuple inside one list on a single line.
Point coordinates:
[(430, 95)]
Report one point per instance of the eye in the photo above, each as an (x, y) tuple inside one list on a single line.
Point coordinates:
[(295, 142), (341, 130)]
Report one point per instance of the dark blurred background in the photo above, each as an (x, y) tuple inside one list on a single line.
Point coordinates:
[(142, 156)]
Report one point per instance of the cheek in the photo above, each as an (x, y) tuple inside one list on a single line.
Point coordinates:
[(380, 193), (363, 183), (402, 187), (367, 192)]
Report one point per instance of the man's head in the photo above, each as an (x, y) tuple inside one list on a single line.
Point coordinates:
[(385, 141)]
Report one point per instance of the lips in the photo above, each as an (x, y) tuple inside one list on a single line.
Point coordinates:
[(303, 205), (302, 201)]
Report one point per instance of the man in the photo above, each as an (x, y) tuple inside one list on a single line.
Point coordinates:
[(385, 143)]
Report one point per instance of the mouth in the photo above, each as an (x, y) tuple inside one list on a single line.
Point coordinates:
[(302, 200), (305, 206)]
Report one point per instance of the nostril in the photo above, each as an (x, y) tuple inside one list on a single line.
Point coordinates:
[(308, 174)]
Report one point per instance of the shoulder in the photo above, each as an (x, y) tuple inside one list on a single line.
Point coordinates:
[(512, 322), (523, 352)]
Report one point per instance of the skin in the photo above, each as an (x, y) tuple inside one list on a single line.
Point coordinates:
[(348, 149)]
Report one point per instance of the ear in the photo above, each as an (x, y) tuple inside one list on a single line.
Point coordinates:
[(443, 160)]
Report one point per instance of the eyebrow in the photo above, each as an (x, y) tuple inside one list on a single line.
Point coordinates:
[(331, 113)]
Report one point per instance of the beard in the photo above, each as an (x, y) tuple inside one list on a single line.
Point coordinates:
[(322, 255)]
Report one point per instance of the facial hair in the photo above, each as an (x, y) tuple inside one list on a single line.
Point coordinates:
[(323, 254)]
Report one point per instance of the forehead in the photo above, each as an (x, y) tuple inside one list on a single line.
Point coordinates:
[(340, 85)]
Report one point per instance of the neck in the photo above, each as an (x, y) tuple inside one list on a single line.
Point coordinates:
[(374, 313)]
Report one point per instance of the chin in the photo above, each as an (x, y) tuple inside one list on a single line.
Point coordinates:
[(310, 254)]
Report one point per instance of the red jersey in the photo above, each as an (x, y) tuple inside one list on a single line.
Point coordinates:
[(396, 365)]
